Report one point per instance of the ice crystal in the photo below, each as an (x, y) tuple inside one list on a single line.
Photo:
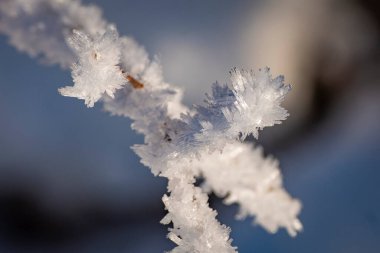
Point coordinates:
[(96, 72), (249, 104), (257, 102), (195, 228)]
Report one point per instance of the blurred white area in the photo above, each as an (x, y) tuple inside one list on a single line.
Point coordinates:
[(305, 39), (193, 65)]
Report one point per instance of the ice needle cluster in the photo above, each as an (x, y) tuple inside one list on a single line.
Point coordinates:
[(179, 144), (96, 72)]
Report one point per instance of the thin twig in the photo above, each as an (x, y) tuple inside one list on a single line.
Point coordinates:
[(133, 81)]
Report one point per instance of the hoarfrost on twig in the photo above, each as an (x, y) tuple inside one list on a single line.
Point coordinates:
[(179, 144)]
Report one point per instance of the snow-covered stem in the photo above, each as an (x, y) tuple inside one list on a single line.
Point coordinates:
[(179, 144)]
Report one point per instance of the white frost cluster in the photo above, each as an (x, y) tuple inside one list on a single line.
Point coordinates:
[(251, 103), (242, 175), (195, 228), (40, 27), (179, 144), (96, 72), (257, 101)]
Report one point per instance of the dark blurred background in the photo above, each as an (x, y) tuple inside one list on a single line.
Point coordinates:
[(70, 183)]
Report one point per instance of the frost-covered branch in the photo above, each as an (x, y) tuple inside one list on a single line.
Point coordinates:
[(179, 144), (195, 228), (242, 175)]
